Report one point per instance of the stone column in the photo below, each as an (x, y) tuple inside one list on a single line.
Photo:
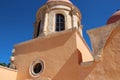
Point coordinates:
[(80, 29), (73, 19), (73, 16), (45, 24)]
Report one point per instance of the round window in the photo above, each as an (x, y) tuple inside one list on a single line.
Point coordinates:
[(36, 68)]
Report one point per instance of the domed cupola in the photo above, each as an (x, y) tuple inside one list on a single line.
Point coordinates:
[(56, 16), (115, 17)]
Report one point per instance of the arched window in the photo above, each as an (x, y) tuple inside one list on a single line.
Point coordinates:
[(60, 22)]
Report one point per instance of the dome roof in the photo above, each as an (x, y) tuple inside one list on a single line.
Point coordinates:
[(68, 1), (115, 17)]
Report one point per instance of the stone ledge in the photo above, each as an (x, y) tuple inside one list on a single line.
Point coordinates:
[(40, 79), (86, 63), (8, 69)]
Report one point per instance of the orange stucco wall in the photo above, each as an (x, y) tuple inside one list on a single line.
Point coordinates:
[(7, 74), (71, 69), (83, 48), (55, 50), (108, 67)]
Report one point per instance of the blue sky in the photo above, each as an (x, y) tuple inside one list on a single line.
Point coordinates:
[(17, 18)]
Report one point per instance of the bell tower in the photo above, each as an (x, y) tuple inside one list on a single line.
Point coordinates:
[(56, 16), (61, 51)]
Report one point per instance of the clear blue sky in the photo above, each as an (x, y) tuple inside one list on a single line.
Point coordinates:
[(17, 18)]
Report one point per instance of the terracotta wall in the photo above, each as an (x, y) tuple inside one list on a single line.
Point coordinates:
[(108, 68), (48, 49), (54, 54)]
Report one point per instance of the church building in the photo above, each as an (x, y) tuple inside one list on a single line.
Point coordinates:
[(58, 50)]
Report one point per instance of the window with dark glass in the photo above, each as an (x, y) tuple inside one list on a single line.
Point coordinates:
[(60, 22), (38, 29), (37, 68)]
